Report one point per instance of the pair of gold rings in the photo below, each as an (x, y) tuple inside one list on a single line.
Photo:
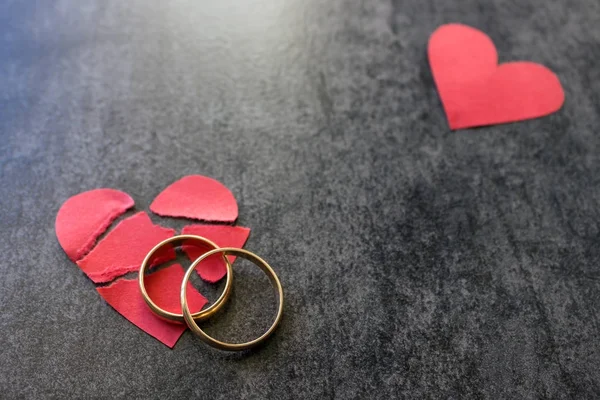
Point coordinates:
[(190, 318)]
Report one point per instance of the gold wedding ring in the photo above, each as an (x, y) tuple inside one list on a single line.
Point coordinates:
[(202, 314), (189, 317)]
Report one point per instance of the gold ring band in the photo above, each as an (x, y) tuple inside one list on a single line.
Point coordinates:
[(202, 314), (189, 317)]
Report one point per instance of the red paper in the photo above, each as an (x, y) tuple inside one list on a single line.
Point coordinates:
[(163, 287), (196, 197), (476, 91), (125, 247), (84, 217), (213, 268)]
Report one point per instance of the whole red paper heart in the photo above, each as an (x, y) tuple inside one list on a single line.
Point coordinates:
[(476, 91), (84, 217)]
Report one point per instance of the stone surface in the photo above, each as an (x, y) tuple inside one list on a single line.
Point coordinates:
[(416, 262)]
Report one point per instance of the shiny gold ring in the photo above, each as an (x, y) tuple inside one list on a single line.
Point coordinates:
[(189, 318), (202, 314)]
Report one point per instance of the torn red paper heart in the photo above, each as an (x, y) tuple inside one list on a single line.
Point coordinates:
[(163, 288), (196, 197), (476, 91), (213, 269), (84, 217)]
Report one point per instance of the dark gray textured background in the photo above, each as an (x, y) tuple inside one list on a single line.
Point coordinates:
[(417, 262)]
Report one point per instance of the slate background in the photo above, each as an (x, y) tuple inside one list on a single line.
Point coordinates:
[(417, 262)]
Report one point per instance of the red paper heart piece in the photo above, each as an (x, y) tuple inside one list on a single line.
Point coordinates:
[(476, 91), (213, 268), (196, 197), (125, 247), (163, 287), (84, 217)]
